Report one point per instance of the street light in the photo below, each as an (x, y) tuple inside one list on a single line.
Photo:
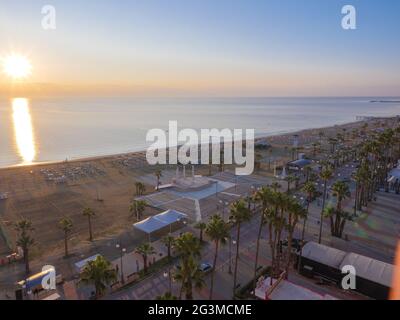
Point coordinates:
[(224, 204), (167, 274), (122, 252), (231, 241)]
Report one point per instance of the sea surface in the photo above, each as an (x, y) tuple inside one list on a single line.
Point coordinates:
[(34, 130)]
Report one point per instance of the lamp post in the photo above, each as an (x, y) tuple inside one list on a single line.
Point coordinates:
[(224, 204), (122, 252), (231, 241), (167, 274)]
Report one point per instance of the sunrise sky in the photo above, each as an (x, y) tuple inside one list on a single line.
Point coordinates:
[(205, 47)]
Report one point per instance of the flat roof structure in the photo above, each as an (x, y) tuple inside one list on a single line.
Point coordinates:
[(370, 269), (160, 221), (323, 254), (286, 290), (81, 264)]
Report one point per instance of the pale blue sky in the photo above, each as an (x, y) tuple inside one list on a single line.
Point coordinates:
[(216, 47)]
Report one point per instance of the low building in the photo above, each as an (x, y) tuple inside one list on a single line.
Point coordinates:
[(281, 289), (300, 163), (154, 227), (373, 277), (80, 265)]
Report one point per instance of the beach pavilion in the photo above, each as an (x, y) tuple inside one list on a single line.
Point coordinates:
[(163, 222), (394, 179), (299, 164), (394, 174)]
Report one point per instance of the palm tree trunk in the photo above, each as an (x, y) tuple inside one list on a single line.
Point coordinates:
[(271, 244), (90, 229), (189, 290), (257, 250), (290, 237), (303, 232), (145, 263), (26, 260), (66, 244), (322, 214), (213, 270), (181, 290), (356, 199), (236, 260)]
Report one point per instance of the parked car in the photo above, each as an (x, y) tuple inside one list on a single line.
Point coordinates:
[(205, 267), (296, 244)]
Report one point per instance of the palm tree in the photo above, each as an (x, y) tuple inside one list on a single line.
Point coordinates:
[(271, 217), (188, 248), (24, 240), (333, 142), (325, 175), (218, 231), (329, 212), (137, 208), (167, 296), (310, 189), (308, 171), (140, 188), (168, 241), (240, 213), (276, 186), (289, 180), (210, 160), (315, 145), (295, 213), (189, 275), (158, 175), (89, 213), (257, 161), (263, 196), (341, 191), (201, 226), (222, 160), (145, 250), (187, 244), (66, 225), (99, 273)]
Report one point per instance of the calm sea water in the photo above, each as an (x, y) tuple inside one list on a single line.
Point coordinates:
[(40, 130)]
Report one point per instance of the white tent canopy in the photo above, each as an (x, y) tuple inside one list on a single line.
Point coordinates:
[(160, 221), (80, 265)]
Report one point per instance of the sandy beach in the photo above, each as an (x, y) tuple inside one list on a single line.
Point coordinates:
[(45, 193)]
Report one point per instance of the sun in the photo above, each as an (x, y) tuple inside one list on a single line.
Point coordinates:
[(17, 66)]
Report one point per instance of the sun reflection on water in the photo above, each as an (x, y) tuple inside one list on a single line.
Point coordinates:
[(23, 130)]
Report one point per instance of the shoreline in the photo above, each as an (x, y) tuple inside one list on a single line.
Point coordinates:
[(83, 159), (46, 192)]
